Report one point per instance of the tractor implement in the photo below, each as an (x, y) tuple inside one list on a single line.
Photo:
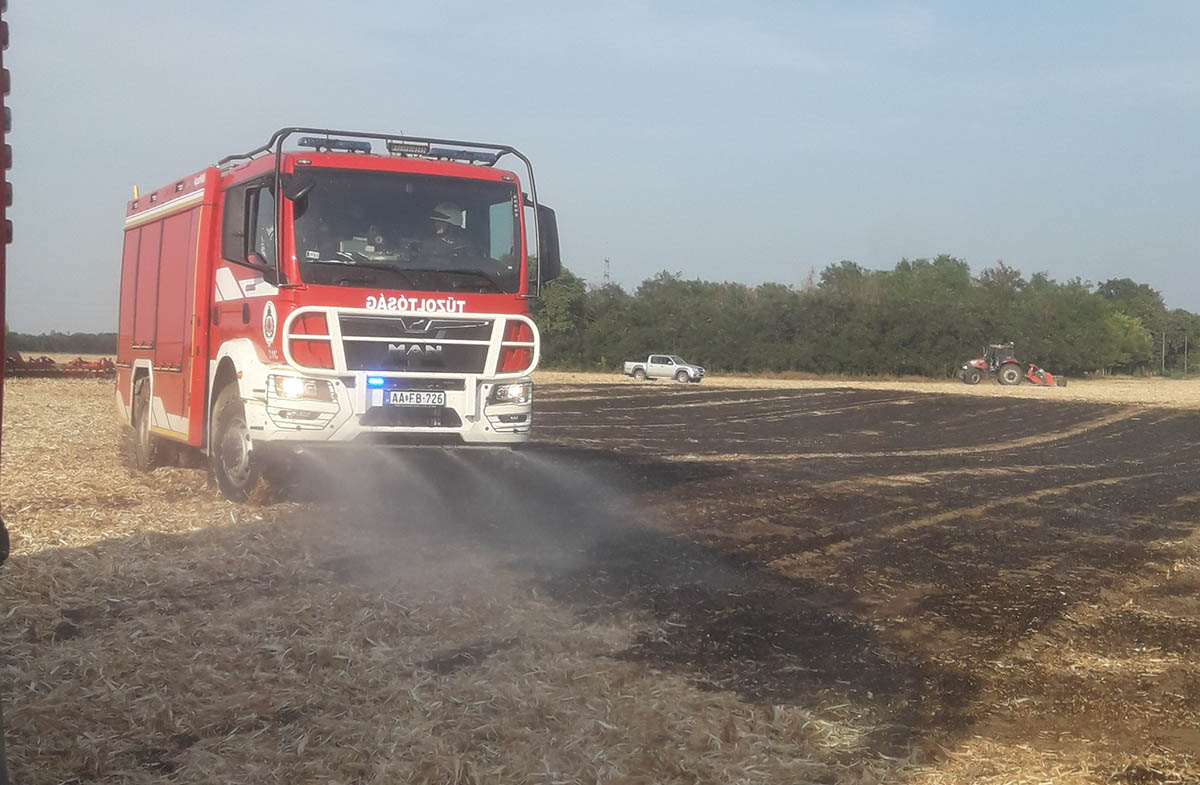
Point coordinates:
[(45, 367), (1000, 363)]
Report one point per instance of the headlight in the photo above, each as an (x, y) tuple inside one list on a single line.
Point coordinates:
[(295, 388), (519, 393)]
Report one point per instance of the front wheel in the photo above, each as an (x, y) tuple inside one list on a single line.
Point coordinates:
[(1009, 374), (972, 376), (682, 377), (234, 464), (639, 374)]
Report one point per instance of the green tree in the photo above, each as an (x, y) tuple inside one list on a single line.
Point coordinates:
[(1136, 299), (924, 316)]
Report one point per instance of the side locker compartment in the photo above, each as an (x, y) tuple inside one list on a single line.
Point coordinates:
[(173, 314), (145, 304), (129, 262)]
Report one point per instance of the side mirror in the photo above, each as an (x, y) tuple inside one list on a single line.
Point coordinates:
[(296, 186), (549, 258)]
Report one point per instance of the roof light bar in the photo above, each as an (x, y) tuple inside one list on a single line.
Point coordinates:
[(466, 156), (400, 147), (346, 145)]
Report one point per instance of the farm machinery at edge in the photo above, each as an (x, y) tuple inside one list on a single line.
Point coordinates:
[(1000, 363)]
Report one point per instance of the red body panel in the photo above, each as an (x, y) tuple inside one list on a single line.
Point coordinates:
[(174, 268), (128, 287), (145, 302), (163, 273)]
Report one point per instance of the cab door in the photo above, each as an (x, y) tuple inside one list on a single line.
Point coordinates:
[(661, 367)]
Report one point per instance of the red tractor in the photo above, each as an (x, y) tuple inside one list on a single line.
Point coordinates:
[(999, 362)]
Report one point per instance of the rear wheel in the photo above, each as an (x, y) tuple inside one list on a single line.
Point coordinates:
[(682, 377), (234, 464), (1010, 373), (972, 376), (639, 374), (148, 450)]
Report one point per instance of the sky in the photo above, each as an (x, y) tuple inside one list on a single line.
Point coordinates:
[(746, 142)]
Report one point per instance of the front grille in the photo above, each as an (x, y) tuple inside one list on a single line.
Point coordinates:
[(405, 356), (411, 417), (463, 328), (415, 343)]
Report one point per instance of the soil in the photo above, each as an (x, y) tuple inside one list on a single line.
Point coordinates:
[(673, 583), (958, 566)]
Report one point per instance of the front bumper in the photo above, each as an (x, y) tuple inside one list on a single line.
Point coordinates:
[(472, 351), (357, 413)]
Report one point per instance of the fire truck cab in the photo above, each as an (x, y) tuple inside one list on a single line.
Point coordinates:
[(343, 288)]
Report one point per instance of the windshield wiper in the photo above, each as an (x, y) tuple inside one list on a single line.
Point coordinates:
[(390, 266), (470, 272)]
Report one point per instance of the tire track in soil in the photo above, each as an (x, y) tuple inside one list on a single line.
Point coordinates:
[(1028, 441), (984, 628)]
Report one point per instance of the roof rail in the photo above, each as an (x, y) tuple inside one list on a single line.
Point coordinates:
[(400, 139)]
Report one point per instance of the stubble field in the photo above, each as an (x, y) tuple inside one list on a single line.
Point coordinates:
[(769, 582)]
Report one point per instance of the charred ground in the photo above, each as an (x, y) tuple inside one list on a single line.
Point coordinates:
[(1017, 570), (675, 584)]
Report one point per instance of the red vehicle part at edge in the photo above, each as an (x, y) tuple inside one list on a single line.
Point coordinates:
[(6, 229)]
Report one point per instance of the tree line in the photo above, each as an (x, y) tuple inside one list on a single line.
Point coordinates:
[(62, 343), (923, 317)]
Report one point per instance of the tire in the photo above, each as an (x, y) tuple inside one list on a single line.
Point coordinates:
[(1009, 373), (639, 374), (683, 377), (972, 376), (149, 452), (231, 455)]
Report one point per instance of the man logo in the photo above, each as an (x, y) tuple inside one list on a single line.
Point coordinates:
[(414, 349)]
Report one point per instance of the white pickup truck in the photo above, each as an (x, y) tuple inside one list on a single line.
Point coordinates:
[(664, 366)]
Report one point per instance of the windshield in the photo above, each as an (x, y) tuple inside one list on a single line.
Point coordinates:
[(407, 231)]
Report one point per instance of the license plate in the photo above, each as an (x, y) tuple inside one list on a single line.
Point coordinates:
[(416, 397)]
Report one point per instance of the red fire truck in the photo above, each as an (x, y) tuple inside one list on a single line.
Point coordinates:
[(332, 288)]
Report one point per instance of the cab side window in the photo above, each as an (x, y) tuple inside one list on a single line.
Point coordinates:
[(249, 223), (261, 229)]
